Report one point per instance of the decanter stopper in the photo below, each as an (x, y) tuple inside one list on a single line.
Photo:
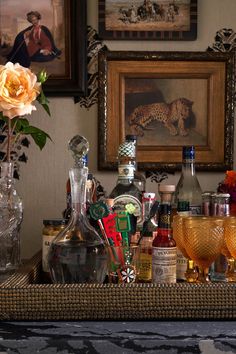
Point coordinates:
[(79, 147)]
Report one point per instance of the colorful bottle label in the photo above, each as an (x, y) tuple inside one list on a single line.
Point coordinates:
[(122, 201), (164, 264)]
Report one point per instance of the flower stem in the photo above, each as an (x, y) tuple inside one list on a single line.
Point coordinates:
[(9, 141)]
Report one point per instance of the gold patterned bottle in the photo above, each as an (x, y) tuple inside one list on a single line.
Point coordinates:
[(145, 265)]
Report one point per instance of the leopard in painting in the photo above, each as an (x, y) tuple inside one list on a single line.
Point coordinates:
[(167, 113)]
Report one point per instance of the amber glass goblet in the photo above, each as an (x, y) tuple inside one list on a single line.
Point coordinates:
[(229, 247), (178, 236), (203, 236), (191, 273)]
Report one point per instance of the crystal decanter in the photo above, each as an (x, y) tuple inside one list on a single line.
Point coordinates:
[(78, 254), (11, 214)]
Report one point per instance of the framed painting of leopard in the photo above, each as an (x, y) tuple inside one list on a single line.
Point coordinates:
[(166, 99)]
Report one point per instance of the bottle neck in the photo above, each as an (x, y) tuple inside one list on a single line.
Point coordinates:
[(164, 217), (125, 172), (7, 169), (188, 167), (78, 178)]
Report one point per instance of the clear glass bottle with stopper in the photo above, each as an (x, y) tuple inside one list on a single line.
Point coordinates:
[(78, 254), (188, 188)]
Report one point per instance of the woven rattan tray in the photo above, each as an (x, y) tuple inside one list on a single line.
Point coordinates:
[(23, 296)]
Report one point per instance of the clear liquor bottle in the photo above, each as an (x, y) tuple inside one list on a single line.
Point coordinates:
[(182, 262), (188, 188)]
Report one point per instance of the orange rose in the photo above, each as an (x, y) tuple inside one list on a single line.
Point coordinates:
[(18, 89)]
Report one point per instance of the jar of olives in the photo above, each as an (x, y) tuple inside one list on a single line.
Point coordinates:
[(50, 230)]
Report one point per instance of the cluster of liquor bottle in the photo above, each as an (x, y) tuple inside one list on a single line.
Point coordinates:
[(160, 260)]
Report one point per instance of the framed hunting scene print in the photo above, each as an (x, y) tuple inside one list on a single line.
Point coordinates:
[(148, 19)]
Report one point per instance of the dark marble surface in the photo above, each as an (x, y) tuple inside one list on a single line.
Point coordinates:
[(118, 337)]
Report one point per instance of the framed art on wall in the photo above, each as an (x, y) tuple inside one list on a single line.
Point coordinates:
[(167, 99), (148, 19), (58, 46)]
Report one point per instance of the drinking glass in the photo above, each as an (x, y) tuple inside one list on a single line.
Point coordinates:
[(178, 234), (191, 273), (123, 264), (203, 237)]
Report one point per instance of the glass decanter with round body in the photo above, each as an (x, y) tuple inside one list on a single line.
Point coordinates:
[(78, 254)]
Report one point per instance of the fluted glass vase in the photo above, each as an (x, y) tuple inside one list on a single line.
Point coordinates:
[(11, 214)]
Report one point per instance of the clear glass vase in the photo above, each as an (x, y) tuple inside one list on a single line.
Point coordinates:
[(78, 254), (11, 214)]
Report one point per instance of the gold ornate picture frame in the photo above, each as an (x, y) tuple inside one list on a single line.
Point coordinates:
[(168, 99)]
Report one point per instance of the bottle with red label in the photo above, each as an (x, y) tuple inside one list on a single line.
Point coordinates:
[(164, 254)]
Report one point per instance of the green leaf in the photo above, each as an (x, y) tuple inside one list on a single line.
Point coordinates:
[(39, 136), (21, 123), (39, 139), (42, 99)]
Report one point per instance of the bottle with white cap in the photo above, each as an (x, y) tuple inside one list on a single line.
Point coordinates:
[(164, 246)]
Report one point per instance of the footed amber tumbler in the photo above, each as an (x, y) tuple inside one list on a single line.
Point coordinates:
[(229, 247), (204, 237), (191, 273)]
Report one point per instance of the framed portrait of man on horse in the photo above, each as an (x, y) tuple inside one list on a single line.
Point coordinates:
[(148, 19), (52, 36), (168, 100)]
